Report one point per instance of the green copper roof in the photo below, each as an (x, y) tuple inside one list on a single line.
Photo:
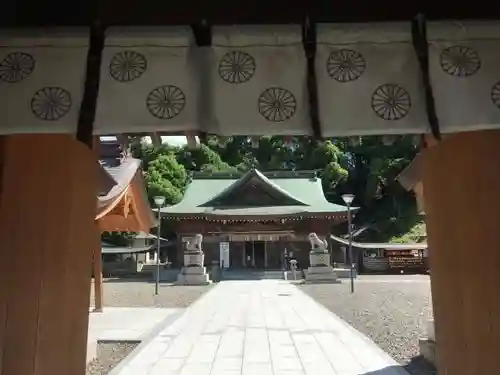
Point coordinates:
[(223, 194), (280, 195)]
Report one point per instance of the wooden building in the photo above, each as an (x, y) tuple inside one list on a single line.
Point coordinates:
[(124, 206), (265, 217), (122, 203)]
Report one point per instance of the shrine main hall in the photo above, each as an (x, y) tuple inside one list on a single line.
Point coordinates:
[(263, 217)]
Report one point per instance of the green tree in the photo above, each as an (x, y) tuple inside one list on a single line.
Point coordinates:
[(202, 158), (166, 177), (373, 170), (327, 158)]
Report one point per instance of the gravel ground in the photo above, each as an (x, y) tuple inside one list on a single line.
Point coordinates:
[(392, 310), (134, 293), (108, 356)]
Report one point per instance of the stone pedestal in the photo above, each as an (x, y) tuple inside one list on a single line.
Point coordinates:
[(320, 270), (193, 272)]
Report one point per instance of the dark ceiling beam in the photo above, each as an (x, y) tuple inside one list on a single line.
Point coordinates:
[(88, 106), (23, 13), (309, 43)]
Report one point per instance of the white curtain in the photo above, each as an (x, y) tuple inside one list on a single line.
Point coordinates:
[(147, 81), (465, 72), (42, 76), (368, 80), (258, 81), (252, 80)]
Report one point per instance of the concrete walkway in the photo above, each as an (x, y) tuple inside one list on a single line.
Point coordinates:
[(258, 328)]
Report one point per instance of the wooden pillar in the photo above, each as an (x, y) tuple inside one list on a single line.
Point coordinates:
[(265, 254), (461, 177), (283, 258), (48, 192), (98, 284)]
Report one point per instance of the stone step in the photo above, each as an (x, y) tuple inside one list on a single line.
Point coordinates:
[(252, 275)]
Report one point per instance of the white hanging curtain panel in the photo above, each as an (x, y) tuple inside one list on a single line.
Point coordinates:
[(252, 80), (368, 80), (147, 81), (42, 76), (465, 73), (258, 81)]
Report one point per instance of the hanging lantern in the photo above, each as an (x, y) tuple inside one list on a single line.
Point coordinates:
[(255, 142), (388, 140), (354, 141)]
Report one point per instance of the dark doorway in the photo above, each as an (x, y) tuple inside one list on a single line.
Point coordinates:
[(260, 254), (255, 254), (248, 255)]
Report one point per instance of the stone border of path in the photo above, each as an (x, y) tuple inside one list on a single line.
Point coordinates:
[(125, 325), (153, 333), (145, 340)]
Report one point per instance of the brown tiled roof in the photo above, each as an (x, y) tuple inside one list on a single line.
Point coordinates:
[(122, 174), (106, 182), (119, 167)]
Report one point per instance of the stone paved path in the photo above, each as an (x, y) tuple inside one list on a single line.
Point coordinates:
[(266, 327)]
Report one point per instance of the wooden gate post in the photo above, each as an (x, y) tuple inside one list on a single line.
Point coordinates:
[(48, 192), (461, 177)]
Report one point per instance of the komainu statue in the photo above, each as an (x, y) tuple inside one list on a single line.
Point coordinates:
[(195, 243), (317, 244), (320, 270), (194, 271)]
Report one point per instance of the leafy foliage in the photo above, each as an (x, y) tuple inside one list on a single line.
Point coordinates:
[(165, 176)]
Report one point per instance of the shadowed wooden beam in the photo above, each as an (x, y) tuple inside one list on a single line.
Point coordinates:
[(192, 142), (155, 139)]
